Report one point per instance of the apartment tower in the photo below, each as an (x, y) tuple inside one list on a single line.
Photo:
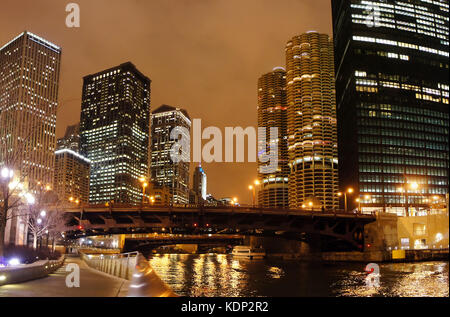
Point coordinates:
[(312, 133), (272, 113)]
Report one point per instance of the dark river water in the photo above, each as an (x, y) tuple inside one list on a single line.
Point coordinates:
[(224, 275)]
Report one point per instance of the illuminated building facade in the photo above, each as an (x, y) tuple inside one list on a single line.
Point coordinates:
[(392, 75), (312, 131), (272, 113), (72, 173), (114, 132), (71, 139), (164, 171), (199, 185), (29, 79)]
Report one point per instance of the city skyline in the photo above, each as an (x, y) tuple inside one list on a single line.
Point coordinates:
[(232, 149), (213, 52)]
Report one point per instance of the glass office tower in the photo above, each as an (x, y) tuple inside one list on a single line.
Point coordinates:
[(114, 133), (164, 171), (29, 82), (392, 82)]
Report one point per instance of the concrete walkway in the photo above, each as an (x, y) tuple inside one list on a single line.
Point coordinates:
[(92, 284)]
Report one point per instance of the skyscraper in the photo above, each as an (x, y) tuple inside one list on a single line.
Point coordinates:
[(199, 187), (392, 70), (71, 139), (163, 170), (114, 132), (29, 79), (71, 176), (312, 134), (272, 113)]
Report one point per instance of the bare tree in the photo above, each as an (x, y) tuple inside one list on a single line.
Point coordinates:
[(13, 173), (44, 217)]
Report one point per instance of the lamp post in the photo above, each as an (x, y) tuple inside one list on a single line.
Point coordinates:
[(256, 183), (366, 200), (348, 191), (252, 188), (144, 185), (404, 190)]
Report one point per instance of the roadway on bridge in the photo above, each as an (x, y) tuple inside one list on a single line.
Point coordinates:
[(92, 284)]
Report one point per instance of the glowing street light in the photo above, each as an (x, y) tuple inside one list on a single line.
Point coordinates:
[(30, 199), (358, 201), (14, 262), (348, 191), (143, 180), (404, 190), (43, 213), (7, 173), (253, 189)]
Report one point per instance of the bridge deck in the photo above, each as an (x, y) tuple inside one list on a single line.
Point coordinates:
[(217, 210), (92, 284)]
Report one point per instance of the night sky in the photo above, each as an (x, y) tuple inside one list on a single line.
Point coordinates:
[(201, 55)]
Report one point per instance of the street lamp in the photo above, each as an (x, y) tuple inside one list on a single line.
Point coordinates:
[(7, 173), (144, 185), (252, 188), (358, 201), (404, 190), (30, 199), (348, 191)]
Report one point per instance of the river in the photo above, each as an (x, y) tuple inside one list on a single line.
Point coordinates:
[(220, 275)]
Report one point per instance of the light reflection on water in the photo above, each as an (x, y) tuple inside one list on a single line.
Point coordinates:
[(223, 275)]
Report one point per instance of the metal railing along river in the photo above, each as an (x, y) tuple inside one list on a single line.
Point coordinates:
[(133, 266)]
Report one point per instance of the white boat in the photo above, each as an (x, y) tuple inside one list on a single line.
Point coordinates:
[(245, 251)]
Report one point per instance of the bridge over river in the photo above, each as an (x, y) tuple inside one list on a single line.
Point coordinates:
[(333, 226)]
